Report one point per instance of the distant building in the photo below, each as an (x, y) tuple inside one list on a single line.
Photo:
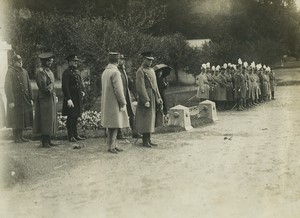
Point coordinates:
[(198, 43)]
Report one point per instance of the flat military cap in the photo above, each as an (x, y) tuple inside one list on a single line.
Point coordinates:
[(46, 55), (72, 57), (148, 54)]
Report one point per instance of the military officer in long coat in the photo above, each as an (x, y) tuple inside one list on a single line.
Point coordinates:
[(149, 107), (126, 91), (19, 99), (73, 90), (203, 85), (113, 103), (46, 100)]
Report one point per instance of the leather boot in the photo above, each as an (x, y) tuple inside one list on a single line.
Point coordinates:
[(146, 140), (45, 143), (17, 136), (21, 136)]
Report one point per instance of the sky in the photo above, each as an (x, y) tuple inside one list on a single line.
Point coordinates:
[(298, 4)]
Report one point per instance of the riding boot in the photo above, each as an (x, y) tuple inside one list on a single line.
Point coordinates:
[(150, 142), (45, 143), (146, 137), (17, 136)]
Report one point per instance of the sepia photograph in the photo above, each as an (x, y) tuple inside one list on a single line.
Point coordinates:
[(149, 108)]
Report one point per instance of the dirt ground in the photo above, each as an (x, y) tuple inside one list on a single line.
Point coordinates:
[(244, 165)]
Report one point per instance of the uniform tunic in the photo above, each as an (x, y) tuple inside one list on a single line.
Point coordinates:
[(18, 91), (147, 118), (72, 88), (113, 99), (45, 107)]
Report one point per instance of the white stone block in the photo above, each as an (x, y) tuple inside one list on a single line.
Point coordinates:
[(180, 116), (208, 109)]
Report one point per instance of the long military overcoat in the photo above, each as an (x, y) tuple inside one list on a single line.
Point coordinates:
[(72, 88), (45, 105), (240, 85), (147, 118), (18, 91), (112, 99), (203, 86)]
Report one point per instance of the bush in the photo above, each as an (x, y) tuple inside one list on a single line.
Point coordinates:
[(89, 120)]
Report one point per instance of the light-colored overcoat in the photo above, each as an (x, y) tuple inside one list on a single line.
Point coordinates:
[(203, 86), (113, 99), (147, 118), (45, 105)]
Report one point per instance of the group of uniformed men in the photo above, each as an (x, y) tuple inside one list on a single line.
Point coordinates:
[(240, 85), (117, 110)]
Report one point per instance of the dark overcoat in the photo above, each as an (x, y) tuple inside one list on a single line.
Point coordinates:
[(113, 99), (18, 91), (72, 88), (45, 106), (126, 91), (147, 118)]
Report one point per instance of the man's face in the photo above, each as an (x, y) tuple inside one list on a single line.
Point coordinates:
[(122, 61), (19, 63), (148, 62), (73, 63), (49, 62)]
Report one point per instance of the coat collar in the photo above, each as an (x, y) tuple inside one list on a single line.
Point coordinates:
[(112, 66)]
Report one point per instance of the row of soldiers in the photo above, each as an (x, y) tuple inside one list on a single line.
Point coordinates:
[(240, 85)]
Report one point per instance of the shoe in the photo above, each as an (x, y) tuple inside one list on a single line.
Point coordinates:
[(136, 136), (147, 145), (46, 145), (72, 139), (18, 140), (24, 140), (52, 144), (121, 137), (78, 138), (153, 144), (118, 149), (114, 151)]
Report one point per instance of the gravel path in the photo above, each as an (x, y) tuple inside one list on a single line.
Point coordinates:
[(253, 172)]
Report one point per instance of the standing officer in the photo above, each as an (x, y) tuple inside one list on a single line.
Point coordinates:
[(113, 102), (19, 99), (45, 112), (73, 90), (149, 106), (129, 106)]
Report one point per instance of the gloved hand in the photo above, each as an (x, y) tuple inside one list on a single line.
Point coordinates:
[(70, 103), (147, 104), (11, 105), (123, 108)]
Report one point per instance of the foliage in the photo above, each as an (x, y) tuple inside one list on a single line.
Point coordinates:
[(89, 120)]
